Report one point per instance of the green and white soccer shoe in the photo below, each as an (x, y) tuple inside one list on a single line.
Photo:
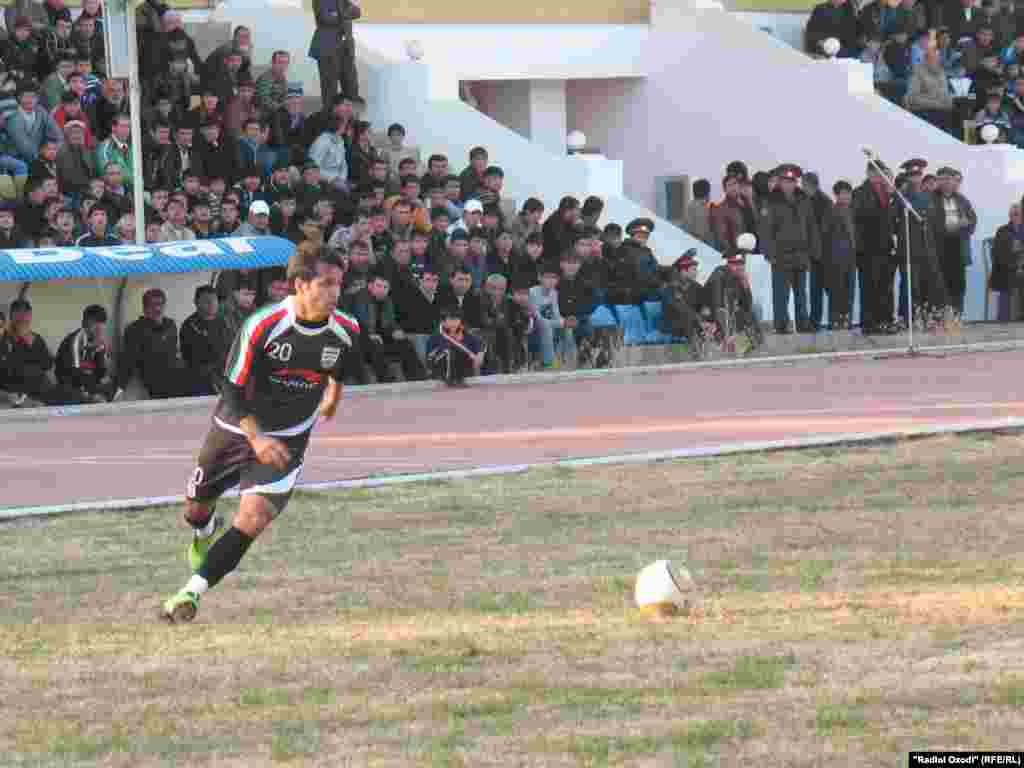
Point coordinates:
[(199, 548), (181, 608)]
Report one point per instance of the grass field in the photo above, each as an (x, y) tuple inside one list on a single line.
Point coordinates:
[(858, 603)]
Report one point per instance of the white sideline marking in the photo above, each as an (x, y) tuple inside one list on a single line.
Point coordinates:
[(1013, 423)]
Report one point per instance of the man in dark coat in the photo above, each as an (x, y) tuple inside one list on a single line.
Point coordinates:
[(205, 340), (821, 206), (682, 300), (953, 222), (151, 348), (1007, 276), (731, 303), (334, 49), (839, 256), (874, 217), (83, 361), (791, 243), (634, 275)]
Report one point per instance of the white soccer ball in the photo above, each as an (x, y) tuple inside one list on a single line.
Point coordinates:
[(989, 133), (746, 242), (414, 49), (664, 590), (575, 141), (830, 46)]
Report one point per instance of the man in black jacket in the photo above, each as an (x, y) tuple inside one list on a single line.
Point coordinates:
[(205, 341), (83, 361), (417, 307), (26, 359), (334, 49), (874, 214), (151, 348), (682, 299), (791, 243)]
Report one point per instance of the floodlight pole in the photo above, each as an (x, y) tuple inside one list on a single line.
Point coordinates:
[(135, 107)]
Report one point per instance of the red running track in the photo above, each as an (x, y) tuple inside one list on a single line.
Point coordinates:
[(81, 458)]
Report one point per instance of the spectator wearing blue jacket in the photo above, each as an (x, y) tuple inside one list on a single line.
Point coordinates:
[(28, 127)]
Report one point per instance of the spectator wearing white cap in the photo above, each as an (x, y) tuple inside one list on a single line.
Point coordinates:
[(472, 214), (258, 223)]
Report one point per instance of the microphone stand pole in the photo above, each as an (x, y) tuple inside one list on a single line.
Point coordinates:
[(908, 211)]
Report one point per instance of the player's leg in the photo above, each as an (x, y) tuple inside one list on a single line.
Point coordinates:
[(266, 491), (218, 468)]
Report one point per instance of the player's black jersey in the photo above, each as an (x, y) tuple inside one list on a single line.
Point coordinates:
[(282, 366)]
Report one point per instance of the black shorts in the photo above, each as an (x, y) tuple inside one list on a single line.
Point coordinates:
[(227, 460)]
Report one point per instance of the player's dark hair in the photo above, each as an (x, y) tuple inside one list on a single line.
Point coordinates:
[(201, 291), (302, 264)]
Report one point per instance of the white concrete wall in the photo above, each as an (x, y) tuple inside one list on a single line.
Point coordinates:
[(507, 101), (787, 27), (547, 114)]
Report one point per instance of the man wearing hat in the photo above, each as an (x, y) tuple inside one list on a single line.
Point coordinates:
[(953, 222), (875, 215), (731, 303), (634, 275), (791, 243), (682, 297)]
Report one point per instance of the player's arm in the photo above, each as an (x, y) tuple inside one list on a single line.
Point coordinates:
[(246, 349), (332, 397)]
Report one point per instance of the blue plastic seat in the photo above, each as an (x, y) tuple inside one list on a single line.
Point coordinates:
[(652, 318), (634, 327), (602, 317)]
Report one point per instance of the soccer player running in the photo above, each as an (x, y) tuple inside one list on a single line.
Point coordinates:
[(283, 374)]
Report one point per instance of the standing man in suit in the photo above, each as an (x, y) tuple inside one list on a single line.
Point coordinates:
[(335, 49)]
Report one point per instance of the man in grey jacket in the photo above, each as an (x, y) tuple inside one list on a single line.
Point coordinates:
[(335, 50), (791, 243), (29, 126), (953, 222)]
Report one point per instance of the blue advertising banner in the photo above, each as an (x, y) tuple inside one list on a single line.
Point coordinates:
[(37, 264)]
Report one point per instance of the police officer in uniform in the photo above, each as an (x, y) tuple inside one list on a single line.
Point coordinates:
[(634, 273), (682, 298), (791, 242)]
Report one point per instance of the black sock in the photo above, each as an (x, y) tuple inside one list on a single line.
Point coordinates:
[(224, 556)]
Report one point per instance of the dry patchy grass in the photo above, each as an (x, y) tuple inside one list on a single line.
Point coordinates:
[(858, 603)]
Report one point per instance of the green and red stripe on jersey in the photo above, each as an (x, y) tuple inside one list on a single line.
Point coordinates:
[(245, 346), (345, 321)]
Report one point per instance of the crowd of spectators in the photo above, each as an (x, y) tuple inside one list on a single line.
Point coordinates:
[(226, 153), (955, 63)]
